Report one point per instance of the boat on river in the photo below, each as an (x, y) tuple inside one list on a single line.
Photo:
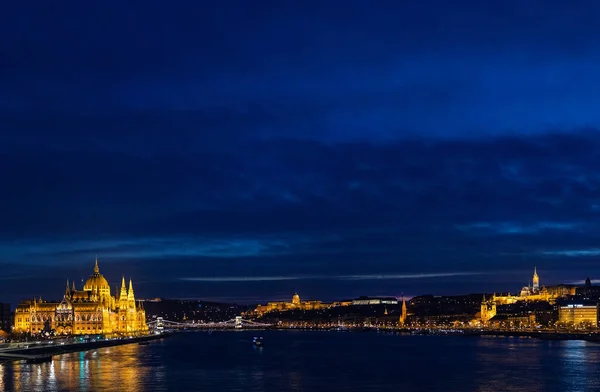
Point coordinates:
[(258, 341)]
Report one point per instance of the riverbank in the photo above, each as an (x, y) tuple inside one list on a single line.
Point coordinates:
[(38, 353)]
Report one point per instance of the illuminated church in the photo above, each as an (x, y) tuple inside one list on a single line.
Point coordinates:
[(91, 310), (530, 293), (536, 292)]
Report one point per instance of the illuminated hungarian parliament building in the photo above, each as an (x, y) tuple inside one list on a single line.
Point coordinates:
[(91, 310)]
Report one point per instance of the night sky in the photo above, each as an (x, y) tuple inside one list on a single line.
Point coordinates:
[(239, 151)]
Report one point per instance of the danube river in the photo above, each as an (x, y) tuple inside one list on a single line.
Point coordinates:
[(318, 361)]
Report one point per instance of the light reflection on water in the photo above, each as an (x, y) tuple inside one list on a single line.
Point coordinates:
[(304, 361), (84, 371)]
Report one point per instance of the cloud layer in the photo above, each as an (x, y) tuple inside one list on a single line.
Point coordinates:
[(283, 210), (230, 141)]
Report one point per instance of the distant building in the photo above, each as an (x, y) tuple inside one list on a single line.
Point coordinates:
[(488, 309), (403, 315), (588, 290), (527, 313), (578, 314), (509, 321), (5, 317), (561, 290), (536, 292), (296, 304), (375, 301)]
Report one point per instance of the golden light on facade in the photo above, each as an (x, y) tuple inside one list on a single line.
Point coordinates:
[(578, 314), (92, 310)]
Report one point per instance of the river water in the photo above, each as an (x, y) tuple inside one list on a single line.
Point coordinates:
[(318, 361)]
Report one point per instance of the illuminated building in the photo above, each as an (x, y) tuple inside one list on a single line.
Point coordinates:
[(535, 292), (296, 304), (488, 309), (403, 315), (296, 300), (578, 314), (91, 310), (530, 293), (374, 301), (536, 280), (509, 321)]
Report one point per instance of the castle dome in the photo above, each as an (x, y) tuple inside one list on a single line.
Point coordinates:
[(296, 299), (97, 281)]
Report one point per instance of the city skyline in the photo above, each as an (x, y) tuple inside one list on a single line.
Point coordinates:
[(532, 286), (241, 151)]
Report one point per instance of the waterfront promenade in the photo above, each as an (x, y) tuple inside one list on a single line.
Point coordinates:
[(44, 350)]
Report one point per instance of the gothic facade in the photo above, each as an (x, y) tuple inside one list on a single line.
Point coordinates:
[(92, 310)]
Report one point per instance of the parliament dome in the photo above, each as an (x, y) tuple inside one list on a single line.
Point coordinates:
[(96, 281)]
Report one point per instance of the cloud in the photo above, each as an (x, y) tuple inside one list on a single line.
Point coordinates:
[(582, 282), (509, 228), (407, 276), (428, 199), (329, 277), (242, 278), (573, 252), (474, 74), (330, 150)]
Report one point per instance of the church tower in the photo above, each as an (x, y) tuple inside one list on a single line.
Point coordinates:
[(536, 280), (130, 296), (123, 307), (132, 319), (123, 294), (402, 320), (488, 309)]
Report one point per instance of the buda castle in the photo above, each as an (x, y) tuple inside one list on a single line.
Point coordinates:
[(296, 304), (91, 310)]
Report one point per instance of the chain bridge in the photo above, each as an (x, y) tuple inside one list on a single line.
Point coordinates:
[(235, 323)]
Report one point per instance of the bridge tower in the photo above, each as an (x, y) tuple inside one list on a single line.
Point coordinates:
[(159, 324), (238, 322)]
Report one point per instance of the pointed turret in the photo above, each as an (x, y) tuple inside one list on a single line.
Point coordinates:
[(536, 279), (123, 294), (130, 295), (403, 314), (67, 291), (96, 269), (73, 289)]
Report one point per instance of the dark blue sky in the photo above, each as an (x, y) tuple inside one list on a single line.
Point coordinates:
[(241, 150)]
